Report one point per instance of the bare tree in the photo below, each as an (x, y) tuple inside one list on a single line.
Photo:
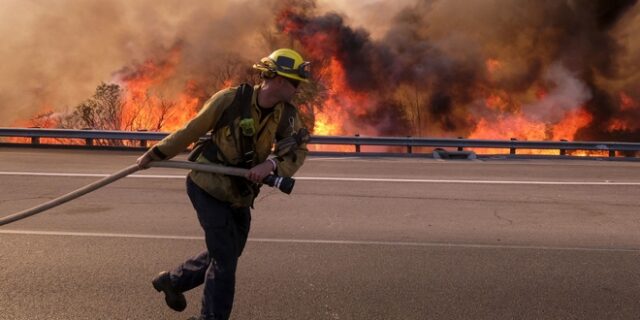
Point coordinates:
[(164, 111), (102, 111), (412, 100), (232, 70), (139, 106), (44, 120)]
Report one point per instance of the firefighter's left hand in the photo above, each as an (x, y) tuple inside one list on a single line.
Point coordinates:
[(259, 172), (144, 160)]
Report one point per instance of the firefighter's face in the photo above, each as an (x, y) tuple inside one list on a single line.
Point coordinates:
[(288, 88)]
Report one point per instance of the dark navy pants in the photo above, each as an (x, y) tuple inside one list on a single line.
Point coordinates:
[(225, 230)]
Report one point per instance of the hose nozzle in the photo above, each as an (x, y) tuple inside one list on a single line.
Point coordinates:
[(285, 184)]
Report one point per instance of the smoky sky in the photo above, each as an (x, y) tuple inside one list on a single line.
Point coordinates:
[(55, 53), (579, 51), (582, 52)]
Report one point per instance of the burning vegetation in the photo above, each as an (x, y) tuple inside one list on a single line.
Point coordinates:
[(482, 69)]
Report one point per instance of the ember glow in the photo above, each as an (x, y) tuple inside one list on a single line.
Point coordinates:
[(548, 96), (144, 108), (340, 98), (562, 70)]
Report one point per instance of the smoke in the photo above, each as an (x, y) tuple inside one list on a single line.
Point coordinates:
[(409, 67), (563, 44), (54, 54), (566, 93), (578, 52)]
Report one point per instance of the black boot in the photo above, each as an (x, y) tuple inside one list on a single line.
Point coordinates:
[(174, 299)]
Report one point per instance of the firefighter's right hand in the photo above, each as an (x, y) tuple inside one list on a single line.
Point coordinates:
[(259, 172), (144, 160)]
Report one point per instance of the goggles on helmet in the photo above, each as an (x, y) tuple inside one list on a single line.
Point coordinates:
[(285, 65)]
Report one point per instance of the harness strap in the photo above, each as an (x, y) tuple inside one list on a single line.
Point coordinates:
[(240, 107), (247, 126), (286, 124)]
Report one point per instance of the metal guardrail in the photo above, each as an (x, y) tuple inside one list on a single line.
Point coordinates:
[(90, 136)]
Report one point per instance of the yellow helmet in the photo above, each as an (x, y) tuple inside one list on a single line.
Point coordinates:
[(286, 63)]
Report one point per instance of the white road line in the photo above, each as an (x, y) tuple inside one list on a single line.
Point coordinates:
[(585, 183), (352, 179), (313, 241), (87, 175)]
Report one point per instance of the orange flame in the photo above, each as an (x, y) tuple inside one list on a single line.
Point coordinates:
[(573, 120), (333, 118), (145, 108), (509, 126), (324, 125), (493, 65), (626, 102), (507, 120), (618, 125), (340, 103)]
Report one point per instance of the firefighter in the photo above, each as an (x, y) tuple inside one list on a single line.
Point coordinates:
[(244, 123)]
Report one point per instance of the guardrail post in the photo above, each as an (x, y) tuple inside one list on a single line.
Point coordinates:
[(93, 138), (88, 141), (512, 150), (35, 140), (143, 143)]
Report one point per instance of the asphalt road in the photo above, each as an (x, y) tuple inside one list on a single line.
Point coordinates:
[(357, 239)]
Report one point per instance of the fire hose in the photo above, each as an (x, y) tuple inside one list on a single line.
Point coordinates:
[(284, 184)]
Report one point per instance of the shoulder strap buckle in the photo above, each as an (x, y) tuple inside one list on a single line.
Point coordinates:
[(247, 125)]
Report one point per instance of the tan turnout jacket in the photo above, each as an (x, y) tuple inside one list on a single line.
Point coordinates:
[(218, 185)]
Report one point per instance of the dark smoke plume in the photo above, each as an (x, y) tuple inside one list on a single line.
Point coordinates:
[(570, 49), (427, 68)]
